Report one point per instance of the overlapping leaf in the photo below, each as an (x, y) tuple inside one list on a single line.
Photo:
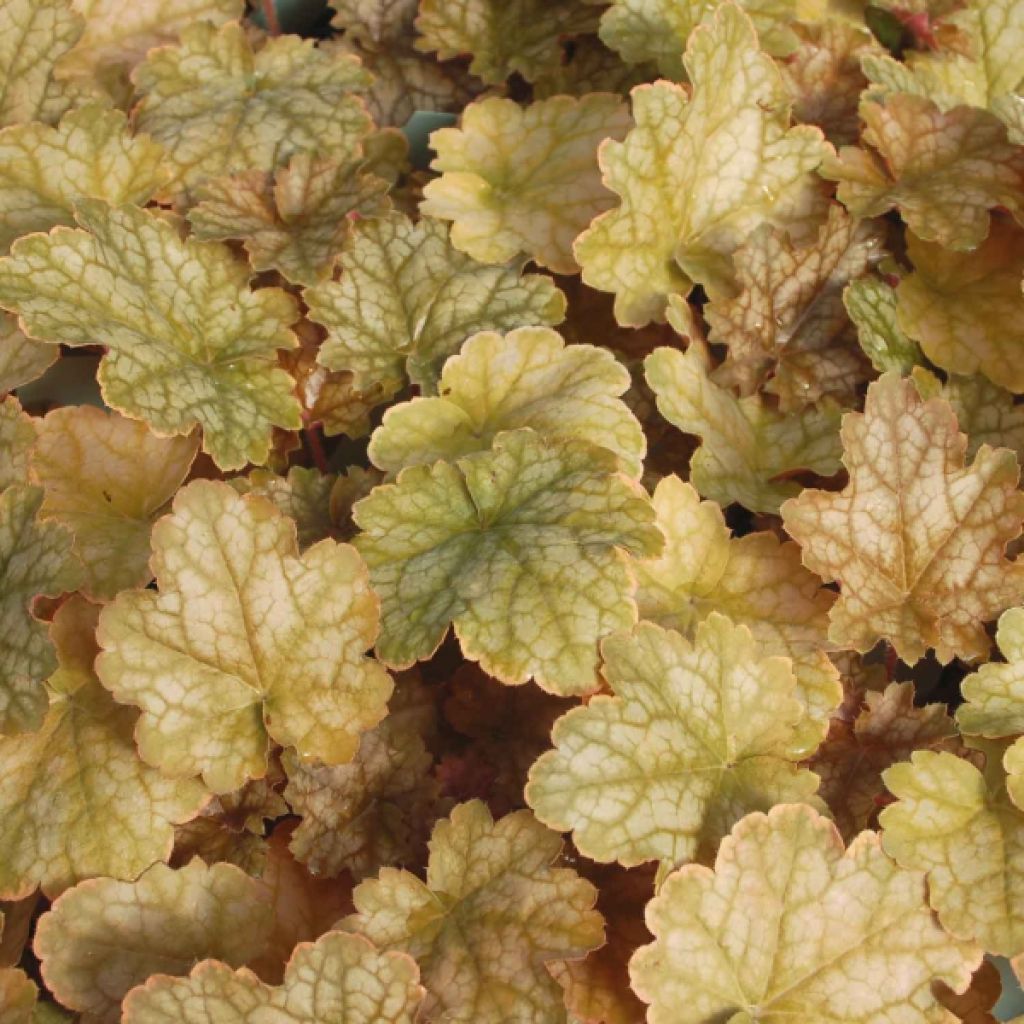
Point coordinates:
[(75, 799), (695, 736), (527, 378), (522, 547), (789, 924), (688, 198), (917, 538), (491, 914), (517, 180), (994, 695), (748, 449), (246, 641), (17, 439), (177, 356), (871, 305), (407, 300)]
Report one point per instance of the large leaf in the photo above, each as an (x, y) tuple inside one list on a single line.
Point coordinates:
[(337, 978), (699, 172), (75, 799), (108, 479), (917, 538), (177, 355), (492, 913), (518, 180), (527, 378), (219, 107), (163, 923), (407, 299), (522, 547), (246, 641), (790, 926), (694, 737)]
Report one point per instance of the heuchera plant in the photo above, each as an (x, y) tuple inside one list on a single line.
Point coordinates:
[(573, 578)]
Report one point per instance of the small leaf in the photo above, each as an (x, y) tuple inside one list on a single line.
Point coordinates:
[(917, 538), (518, 180), (790, 926), (492, 913), (871, 305), (522, 547), (527, 378), (22, 360), (245, 642), (994, 695)]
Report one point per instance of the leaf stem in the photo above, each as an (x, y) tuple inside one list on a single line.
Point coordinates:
[(269, 8), (311, 431)]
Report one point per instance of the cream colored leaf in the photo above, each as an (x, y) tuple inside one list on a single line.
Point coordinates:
[(295, 221), (492, 913), (943, 171), (44, 171), (699, 172), (960, 827), (177, 355), (694, 737), (790, 926), (787, 330), (220, 107), (35, 561), (994, 695), (34, 35), (522, 547), (527, 378), (853, 757), (163, 923), (966, 309), (108, 479), (121, 32), (22, 360), (524, 180), (871, 305), (756, 581), (364, 815), (17, 439), (338, 978), (502, 36), (658, 30), (748, 448), (75, 798), (916, 539), (1013, 762), (407, 300), (245, 642)]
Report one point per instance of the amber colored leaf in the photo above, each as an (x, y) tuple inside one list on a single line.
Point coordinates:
[(917, 538)]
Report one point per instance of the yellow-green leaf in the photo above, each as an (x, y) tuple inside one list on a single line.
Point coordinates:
[(304, 495), (492, 913), (687, 201), (527, 378), (522, 547), (44, 170), (789, 926), (17, 439), (994, 695), (407, 299), (871, 305), (35, 561), (694, 737), (295, 221), (21, 359), (34, 36), (917, 538), (966, 309), (219, 107), (108, 479), (748, 448), (177, 356), (245, 642), (502, 36), (524, 180), (960, 826), (944, 171), (786, 329), (756, 581), (75, 798), (163, 923), (338, 978)]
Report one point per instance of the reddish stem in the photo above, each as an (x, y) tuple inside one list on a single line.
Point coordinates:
[(270, 17), (316, 446), (891, 662)]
